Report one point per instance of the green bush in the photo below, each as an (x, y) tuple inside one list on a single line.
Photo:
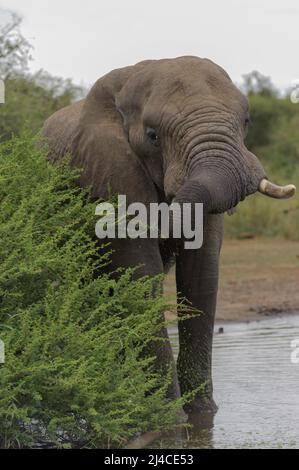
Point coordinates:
[(74, 373)]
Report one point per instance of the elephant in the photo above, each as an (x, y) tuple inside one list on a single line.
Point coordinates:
[(162, 131)]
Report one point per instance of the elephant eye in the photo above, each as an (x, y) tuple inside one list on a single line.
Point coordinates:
[(246, 126), (152, 136)]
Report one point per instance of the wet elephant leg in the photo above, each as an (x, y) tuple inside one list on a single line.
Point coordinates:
[(197, 281)]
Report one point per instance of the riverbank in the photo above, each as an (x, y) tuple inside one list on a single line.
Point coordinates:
[(258, 277)]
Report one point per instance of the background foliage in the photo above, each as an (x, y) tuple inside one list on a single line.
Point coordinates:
[(274, 137), (29, 98)]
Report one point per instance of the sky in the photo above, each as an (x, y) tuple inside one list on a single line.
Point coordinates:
[(83, 40)]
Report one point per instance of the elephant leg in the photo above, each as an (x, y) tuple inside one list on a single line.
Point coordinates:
[(145, 254), (197, 282)]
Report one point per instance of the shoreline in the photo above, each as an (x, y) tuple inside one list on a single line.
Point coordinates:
[(257, 318)]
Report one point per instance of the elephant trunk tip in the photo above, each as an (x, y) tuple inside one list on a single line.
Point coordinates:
[(278, 192)]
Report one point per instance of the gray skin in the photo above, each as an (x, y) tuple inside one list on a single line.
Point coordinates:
[(158, 130)]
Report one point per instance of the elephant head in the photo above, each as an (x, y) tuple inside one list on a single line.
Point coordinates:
[(185, 121)]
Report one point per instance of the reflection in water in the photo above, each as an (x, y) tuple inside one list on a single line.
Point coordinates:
[(256, 387), (201, 430)]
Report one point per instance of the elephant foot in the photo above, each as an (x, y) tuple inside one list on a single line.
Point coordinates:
[(201, 406)]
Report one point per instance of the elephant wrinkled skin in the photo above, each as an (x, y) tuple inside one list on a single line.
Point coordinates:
[(164, 130)]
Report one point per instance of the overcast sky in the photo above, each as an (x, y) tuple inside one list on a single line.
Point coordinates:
[(83, 39)]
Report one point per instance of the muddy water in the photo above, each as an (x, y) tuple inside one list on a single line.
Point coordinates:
[(256, 387)]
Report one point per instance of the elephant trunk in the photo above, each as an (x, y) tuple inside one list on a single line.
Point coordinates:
[(220, 186), (213, 191)]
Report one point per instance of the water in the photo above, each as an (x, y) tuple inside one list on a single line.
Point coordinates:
[(256, 387)]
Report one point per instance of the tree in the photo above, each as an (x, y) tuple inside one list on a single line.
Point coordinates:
[(14, 48), (255, 83), (29, 98)]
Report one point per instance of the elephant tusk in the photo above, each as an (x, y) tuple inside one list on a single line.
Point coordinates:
[(278, 192)]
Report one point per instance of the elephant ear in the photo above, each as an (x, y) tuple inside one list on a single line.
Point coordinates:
[(100, 145)]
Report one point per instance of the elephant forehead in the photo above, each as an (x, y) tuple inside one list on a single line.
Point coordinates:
[(176, 73), (181, 71), (171, 81)]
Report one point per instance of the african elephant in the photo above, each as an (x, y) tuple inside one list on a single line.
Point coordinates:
[(164, 130)]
